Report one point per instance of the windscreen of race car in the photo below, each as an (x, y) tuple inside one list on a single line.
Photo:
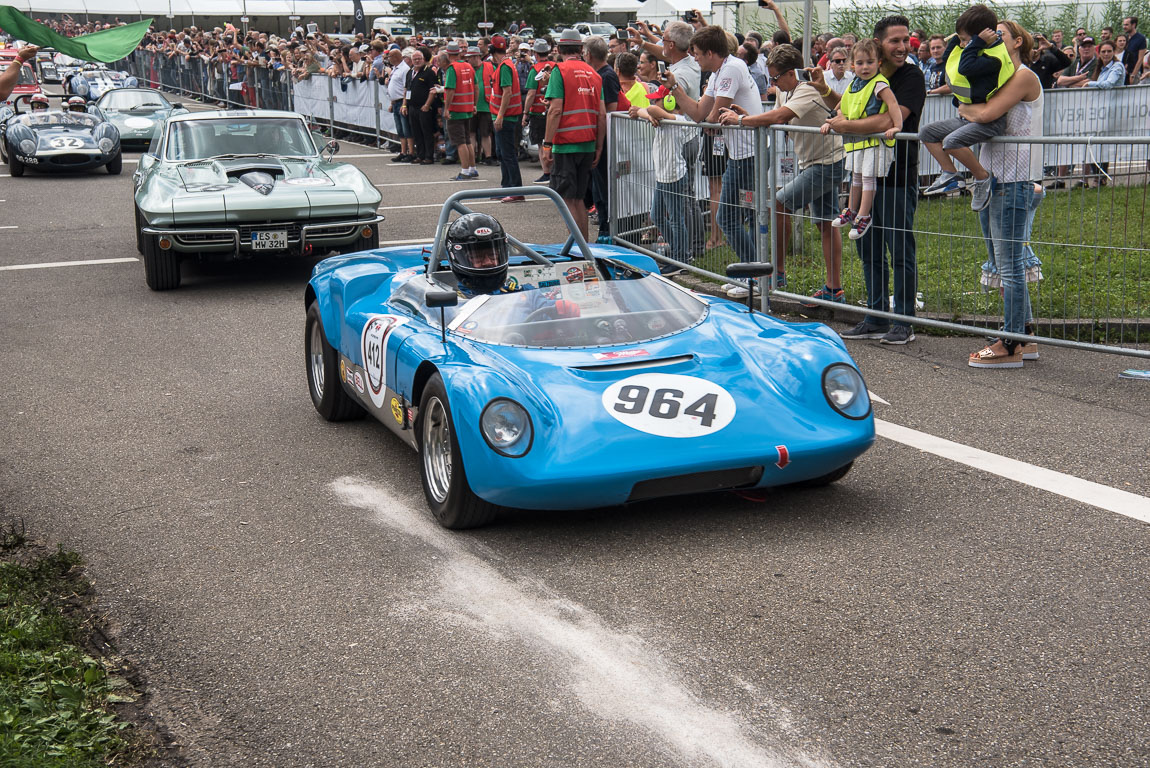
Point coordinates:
[(201, 139)]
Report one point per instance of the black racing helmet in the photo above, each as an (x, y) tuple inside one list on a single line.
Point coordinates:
[(77, 104), (477, 251)]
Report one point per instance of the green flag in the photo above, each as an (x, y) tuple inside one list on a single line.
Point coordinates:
[(107, 46)]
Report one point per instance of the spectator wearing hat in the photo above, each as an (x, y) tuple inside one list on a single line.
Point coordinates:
[(507, 101), (459, 107), (535, 105), (1078, 73), (523, 62), (481, 124), (576, 126), (396, 91)]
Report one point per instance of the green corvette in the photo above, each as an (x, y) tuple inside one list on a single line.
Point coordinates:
[(238, 184)]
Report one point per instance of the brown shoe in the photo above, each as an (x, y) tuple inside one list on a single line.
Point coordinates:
[(996, 356), (1029, 350)]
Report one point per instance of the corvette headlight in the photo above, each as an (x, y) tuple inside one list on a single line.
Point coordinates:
[(845, 391), (506, 427), (106, 144), (28, 147)]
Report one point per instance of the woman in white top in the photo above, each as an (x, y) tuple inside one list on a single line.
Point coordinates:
[(1015, 168)]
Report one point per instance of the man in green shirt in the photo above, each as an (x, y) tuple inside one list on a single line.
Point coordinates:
[(458, 108)]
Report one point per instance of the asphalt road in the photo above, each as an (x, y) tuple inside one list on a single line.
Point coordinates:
[(282, 587)]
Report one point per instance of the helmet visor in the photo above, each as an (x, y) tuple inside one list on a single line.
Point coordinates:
[(481, 257)]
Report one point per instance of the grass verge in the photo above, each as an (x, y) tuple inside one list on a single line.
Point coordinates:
[(57, 700)]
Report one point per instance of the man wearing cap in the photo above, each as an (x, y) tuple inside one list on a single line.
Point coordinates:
[(534, 104), (481, 127), (507, 101), (458, 109), (1079, 71), (523, 63), (576, 126)]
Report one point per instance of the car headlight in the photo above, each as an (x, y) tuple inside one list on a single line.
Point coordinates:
[(106, 144), (845, 391), (506, 427), (28, 147)]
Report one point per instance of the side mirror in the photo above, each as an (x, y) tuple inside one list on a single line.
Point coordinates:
[(437, 299), (331, 149), (146, 161), (749, 270)]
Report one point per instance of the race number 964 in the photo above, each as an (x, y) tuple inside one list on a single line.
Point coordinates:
[(670, 405)]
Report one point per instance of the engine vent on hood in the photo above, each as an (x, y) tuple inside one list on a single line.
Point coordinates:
[(635, 363)]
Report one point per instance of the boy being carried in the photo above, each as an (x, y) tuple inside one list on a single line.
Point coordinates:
[(977, 64)]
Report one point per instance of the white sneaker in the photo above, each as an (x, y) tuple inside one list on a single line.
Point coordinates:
[(740, 292)]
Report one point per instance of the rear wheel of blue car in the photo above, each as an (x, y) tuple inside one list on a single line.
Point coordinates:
[(445, 485), (161, 267), (322, 363)]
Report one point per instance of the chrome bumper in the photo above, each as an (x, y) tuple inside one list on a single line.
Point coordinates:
[(234, 232)]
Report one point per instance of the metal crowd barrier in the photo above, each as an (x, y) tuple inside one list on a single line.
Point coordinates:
[(228, 86), (1086, 247)]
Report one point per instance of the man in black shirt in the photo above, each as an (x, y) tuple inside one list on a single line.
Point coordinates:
[(1049, 61), (896, 195)]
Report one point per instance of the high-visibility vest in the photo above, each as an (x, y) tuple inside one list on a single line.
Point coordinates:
[(539, 106), (960, 86), (582, 96), (486, 72), (515, 103), (860, 104), (463, 101)]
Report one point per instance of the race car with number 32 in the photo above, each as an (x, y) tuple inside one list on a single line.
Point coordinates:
[(589, 380)]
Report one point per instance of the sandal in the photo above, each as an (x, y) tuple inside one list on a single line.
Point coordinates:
[(996, 355)]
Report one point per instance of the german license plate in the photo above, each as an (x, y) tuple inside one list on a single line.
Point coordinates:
[(270, 240)]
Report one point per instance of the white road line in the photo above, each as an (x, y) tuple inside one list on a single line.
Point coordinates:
[(408, 242), (424, 183), (1068, 486), (876, 399), (49, 264), (10, 226), (616, 675), (440, 205)]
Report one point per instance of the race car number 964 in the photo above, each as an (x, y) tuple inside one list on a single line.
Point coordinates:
[(670, 405)]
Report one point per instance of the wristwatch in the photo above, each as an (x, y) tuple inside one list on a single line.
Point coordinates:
[(548, 144), (740, 121)]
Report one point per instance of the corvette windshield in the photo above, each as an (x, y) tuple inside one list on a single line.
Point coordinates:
[(126, 101), (582, 311), (200, 139), (59, 120)]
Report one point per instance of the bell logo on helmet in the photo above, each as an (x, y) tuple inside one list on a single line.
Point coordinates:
[(483, 231)]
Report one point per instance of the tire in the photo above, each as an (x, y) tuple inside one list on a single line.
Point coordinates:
[(116, 164), (321, 365), (139, 231), (15, 167), (828, 478), (449, 496), (363, 243), (161, 268)]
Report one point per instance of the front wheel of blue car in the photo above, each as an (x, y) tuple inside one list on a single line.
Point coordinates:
[(445, 485), (322, 364)]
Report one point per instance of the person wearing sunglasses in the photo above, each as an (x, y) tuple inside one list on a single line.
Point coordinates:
[(838, 76)]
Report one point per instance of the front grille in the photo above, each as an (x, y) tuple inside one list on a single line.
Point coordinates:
[(292, 228), (204, 238), (696, 482), (344, 231), (72, 158)]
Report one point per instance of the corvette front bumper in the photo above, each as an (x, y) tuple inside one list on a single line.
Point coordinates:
[(236, 240)]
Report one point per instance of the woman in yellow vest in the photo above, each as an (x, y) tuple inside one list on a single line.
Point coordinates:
[(867, 158)]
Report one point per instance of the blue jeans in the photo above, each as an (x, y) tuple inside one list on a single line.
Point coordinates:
[(402, 128), (1006, 221), (739, 175), (1029, 257), (892, 229), (507, 147), (667, 213)]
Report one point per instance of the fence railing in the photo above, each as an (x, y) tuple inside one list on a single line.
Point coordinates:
[(211, 81), (1085, 244)]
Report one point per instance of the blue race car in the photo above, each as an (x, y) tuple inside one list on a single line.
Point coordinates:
[(586, 380)]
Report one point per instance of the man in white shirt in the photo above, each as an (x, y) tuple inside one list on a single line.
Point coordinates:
[(839, 76), (730, 83), (396, 91)]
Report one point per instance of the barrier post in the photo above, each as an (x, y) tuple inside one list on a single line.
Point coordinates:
[(378, 106), (765, 205), (612, 179), (330, 108)]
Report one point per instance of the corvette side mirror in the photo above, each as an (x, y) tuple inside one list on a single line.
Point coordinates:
[(332, 149)]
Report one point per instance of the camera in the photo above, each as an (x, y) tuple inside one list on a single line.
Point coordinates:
[(689, 16), (802, 75), (662, 68), (622, 34)]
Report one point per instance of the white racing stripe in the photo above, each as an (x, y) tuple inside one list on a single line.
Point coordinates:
[(616, 676), (49, 264), (1068, 486)]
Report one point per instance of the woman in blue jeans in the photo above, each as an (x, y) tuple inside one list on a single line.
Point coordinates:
[(1014, 168)]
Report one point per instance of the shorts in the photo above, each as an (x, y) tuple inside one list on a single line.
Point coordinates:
[(571, 174), (459, 131), (958, 132), (713, 165), (402, 126), (870, 161), (816, 186), (482, 126), (537, 128)]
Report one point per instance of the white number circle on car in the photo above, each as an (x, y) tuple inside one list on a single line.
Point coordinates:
[(670, 405), (374, 344), (60, 142), (137, 123)]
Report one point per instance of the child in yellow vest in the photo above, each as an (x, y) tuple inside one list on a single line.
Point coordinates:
[(976, 64), (867, 159)]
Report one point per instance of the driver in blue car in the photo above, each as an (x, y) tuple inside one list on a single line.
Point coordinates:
[(478, 253)]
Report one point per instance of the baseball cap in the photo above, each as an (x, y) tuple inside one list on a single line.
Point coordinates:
[(499, 43), (1088, 40), (524, 47), (542, 46), (473, 50), (453, 47)]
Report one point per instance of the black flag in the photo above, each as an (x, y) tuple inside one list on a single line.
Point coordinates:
[(360, 27)]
